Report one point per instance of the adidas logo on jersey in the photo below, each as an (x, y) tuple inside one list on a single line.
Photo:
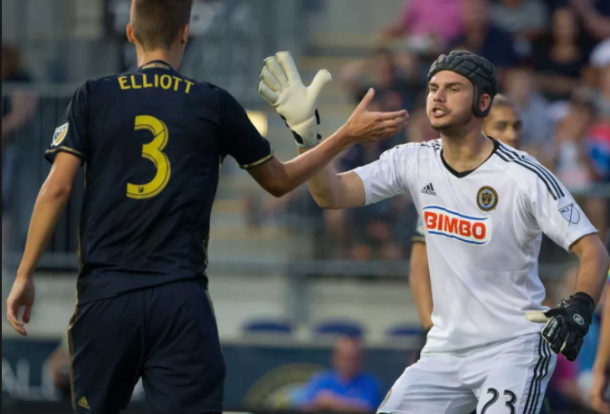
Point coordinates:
[(443, 222), (429, 189)]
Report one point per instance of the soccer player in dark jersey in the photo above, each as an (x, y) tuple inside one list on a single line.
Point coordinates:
[(153, 142)]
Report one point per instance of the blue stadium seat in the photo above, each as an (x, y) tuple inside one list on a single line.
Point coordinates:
[(404, 331), (268, 326), (347, 328)]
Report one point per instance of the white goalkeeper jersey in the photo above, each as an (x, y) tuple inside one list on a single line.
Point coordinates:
[(483, 231)]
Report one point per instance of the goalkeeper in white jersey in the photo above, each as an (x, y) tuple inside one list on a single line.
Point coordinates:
[(485, 206)]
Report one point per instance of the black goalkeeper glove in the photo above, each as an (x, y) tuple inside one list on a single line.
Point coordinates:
[(567, 324)]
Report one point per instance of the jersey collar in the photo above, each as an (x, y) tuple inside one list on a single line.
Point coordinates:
[(156, 64), (466, 173)]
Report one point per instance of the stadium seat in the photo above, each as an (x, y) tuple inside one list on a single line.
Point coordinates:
[(403, 331), (268, 326), (347, 328)]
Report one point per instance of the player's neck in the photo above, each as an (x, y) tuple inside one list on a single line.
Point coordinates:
[(173, 58), (467, 152)]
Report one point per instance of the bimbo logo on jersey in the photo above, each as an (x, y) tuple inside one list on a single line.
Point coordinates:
[(468, 229)]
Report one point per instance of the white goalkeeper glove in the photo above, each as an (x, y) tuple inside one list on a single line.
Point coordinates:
[(282, 87)]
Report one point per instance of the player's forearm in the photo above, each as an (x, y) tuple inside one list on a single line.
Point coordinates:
[(47, 211), (325, 186), (602, 362), (592, 273), (419, 280), (314, 161)]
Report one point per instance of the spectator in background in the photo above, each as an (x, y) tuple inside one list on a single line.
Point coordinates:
[(526, 20), (595, 15), (394, 87), (598, 146), (600, 56), (569, 156), (345, 388), (419, 128), (533, 108), (429, 25), (17, 110), (559, 57), (484, 38), (599, 135), (503, 122)]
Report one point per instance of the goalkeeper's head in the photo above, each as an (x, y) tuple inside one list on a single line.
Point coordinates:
[(461, 90), (160, 25)]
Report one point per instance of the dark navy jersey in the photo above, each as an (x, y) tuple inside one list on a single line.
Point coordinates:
[(152, 142)]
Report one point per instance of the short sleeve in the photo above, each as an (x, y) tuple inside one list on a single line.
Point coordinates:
[(389, 176), (72, 134), (239, 137), (419, 235), (556, 212)]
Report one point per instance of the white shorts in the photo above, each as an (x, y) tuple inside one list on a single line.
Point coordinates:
[(503, 378)]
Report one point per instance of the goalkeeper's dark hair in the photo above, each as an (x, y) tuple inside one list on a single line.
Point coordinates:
[(157, 23)]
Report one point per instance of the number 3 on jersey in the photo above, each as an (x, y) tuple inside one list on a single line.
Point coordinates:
[(153, 152)]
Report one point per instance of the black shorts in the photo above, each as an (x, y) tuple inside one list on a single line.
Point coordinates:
[(166, 335)]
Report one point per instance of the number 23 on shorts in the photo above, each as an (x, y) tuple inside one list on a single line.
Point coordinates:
[(152, 151), (510, 396)]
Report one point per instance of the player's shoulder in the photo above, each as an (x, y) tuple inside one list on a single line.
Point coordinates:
[(527, 171), (414, 149), (94, 86)]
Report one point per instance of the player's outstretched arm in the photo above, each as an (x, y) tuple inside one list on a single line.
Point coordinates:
[(567, 324), (601, 369), (419, 280), (594, 264), (51, 201), (331, 190), (282, 87)]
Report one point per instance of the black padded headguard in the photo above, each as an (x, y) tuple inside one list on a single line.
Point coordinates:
[(478, 70)]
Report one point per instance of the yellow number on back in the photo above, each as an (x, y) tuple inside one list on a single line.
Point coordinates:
[(152, 152)]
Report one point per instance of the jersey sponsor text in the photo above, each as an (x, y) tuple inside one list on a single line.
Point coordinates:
[(443, 222)]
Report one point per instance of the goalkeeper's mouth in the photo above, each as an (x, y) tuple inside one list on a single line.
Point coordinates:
[(439, 112)]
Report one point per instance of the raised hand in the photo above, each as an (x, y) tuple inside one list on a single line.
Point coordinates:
[(370, 127), (567, 324), (282, 87), (21, 296)]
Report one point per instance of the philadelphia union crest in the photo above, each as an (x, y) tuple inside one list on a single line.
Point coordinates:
[(487, 198)]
